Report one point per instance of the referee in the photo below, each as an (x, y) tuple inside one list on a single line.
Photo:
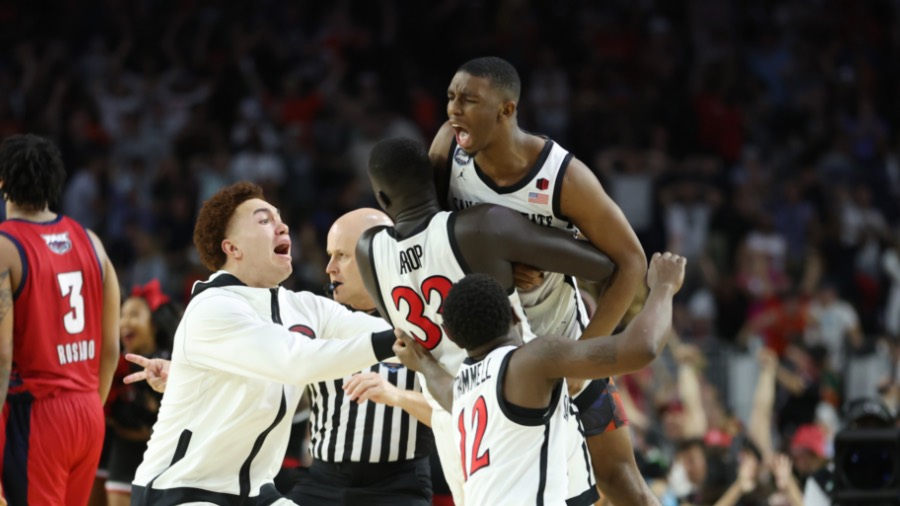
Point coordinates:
[(365, 453)]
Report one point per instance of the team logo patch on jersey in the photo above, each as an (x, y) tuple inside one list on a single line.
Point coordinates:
[(538, 198), (543, 184), (58, 243), (303, 329), (461, 156)]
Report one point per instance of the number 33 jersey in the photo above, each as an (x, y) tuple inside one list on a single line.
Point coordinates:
[(414, 275), (509, 454), (57, 315)]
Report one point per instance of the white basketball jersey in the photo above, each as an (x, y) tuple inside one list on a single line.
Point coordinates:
[(414, 275), (509, 454), (555, 307)]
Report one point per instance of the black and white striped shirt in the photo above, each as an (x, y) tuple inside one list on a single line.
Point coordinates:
[(344, 431)]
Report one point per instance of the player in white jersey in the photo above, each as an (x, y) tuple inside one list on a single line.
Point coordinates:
[(509, 400), (410, 268), (481, 155)]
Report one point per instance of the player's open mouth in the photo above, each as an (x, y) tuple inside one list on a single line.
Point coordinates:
[(462, 136), (283, 249)]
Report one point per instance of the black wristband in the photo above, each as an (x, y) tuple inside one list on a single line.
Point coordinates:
[(383, 344)]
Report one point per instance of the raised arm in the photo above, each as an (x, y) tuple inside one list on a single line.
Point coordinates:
[(439, 153), (109, 347), (514, 238), (760, 426), (587, 205), (632, 349), (689, 390)]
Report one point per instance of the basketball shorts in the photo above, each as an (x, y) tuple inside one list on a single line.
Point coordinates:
[(51, 448), (601, 407)]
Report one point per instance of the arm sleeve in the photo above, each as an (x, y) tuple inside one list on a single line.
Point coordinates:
[(224, 333)]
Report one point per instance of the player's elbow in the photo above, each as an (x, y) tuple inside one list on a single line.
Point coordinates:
[(634, 264), (647, 346)]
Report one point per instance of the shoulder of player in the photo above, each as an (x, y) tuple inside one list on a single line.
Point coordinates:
[(98, 244), (440, 146), (363, 244), (9, 253), (576, 173)]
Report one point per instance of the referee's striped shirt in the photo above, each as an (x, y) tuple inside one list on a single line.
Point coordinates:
[(344, 431)]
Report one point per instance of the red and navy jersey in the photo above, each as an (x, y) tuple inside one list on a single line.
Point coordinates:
[(58, 308)]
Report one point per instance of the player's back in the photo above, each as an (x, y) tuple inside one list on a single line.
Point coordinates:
[(510, 454), (414, 274), (58, 308)]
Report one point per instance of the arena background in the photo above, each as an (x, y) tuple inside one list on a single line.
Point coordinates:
[(758, 138)]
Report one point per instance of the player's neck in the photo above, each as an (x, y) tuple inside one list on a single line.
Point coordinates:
[(413, 215), (510, 339), (15, 212), (508, 158)]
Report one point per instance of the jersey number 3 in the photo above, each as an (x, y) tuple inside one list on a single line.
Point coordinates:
[(416, 315), (70, 286), (479, 420)]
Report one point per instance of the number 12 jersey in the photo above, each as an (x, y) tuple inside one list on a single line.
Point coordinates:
[(510, 454)]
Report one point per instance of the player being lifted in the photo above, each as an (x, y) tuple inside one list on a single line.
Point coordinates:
[(481, 155)]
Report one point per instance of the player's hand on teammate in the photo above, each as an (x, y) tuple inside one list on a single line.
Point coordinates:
[(666, 269), (527, 277), (371, 386), (155, 373), (410, 352)]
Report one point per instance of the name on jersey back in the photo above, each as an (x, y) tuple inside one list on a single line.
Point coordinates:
[(411, 259), (471, 377), (78, 351)]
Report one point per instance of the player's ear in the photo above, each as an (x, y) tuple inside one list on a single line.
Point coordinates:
[(508, 109), (231, 250)]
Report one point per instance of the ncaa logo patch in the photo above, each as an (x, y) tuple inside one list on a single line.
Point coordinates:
[(58, 243), (461, 156)]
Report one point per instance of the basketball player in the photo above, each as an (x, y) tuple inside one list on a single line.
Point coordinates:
[(509, 400), (59, 326), (361, 454), (410, 268), (242, 355), (481, 155)]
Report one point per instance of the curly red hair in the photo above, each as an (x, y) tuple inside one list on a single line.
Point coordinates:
[(213, 220)]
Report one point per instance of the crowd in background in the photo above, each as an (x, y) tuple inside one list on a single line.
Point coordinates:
[(757, 138)]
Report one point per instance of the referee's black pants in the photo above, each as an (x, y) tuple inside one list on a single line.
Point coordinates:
[(406, 483)]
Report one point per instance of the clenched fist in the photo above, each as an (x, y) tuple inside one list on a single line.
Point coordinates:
[(666, 269)]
